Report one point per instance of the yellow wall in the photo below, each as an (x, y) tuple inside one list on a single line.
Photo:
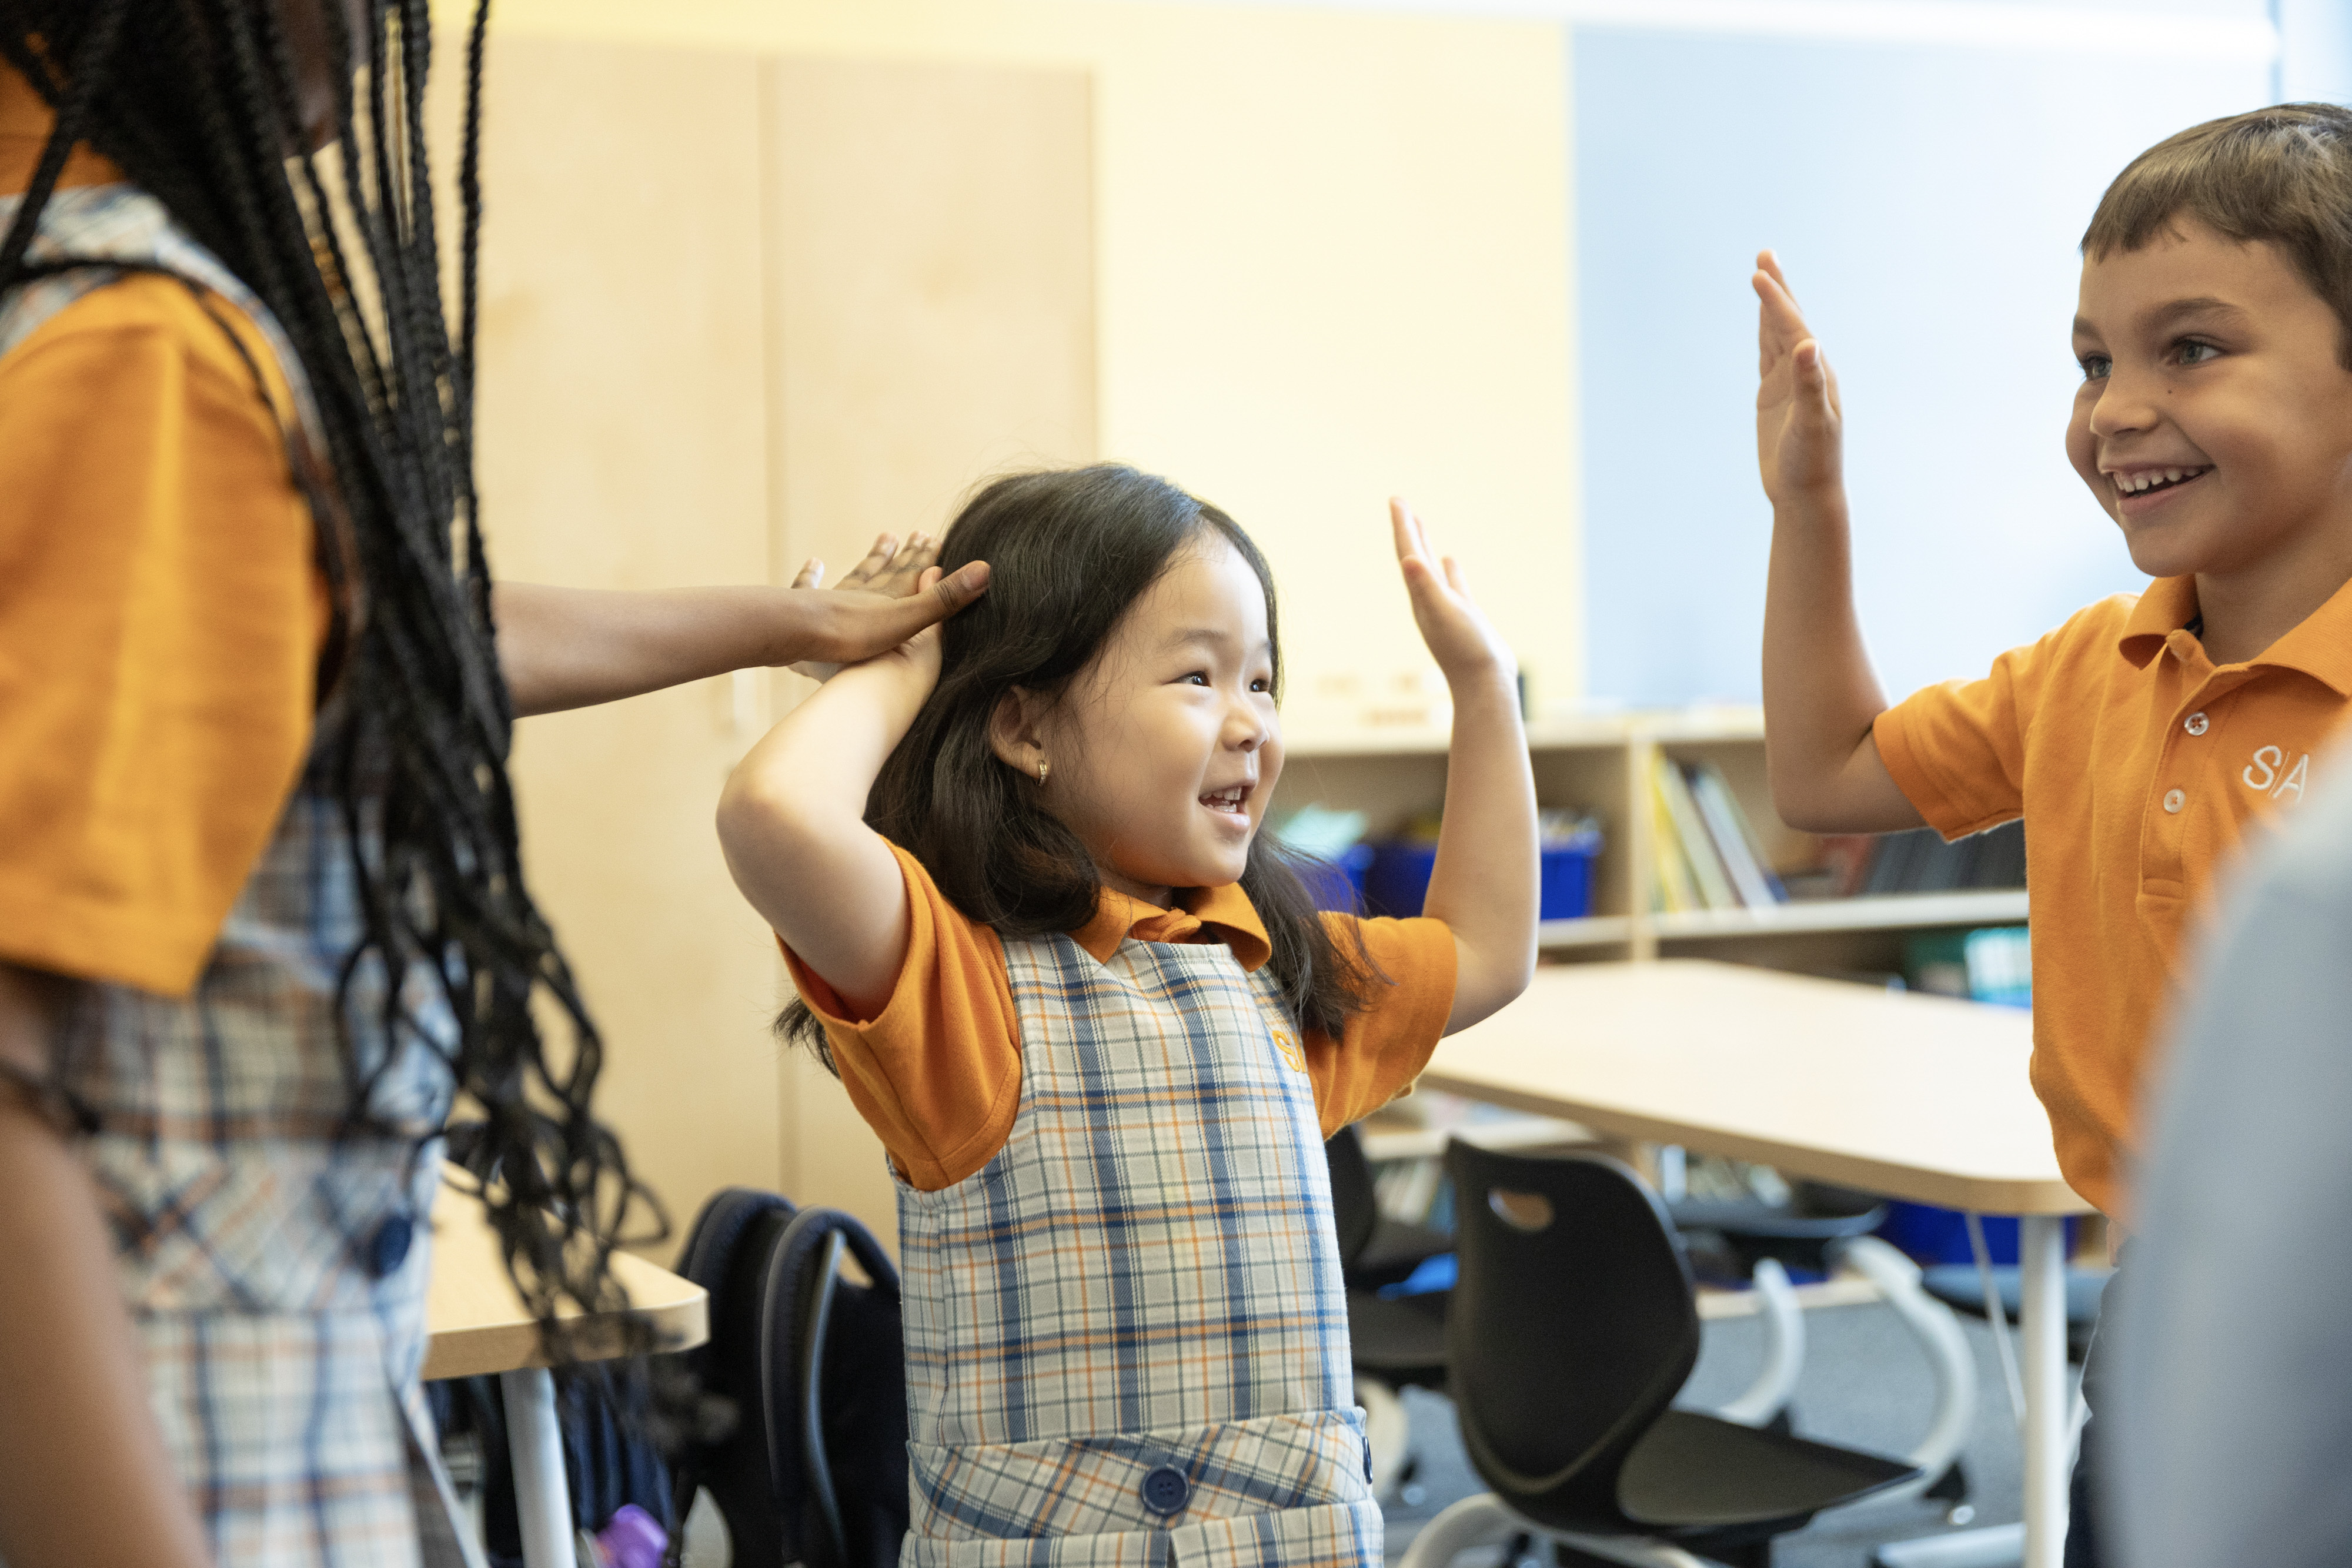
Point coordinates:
[(1333, 263)]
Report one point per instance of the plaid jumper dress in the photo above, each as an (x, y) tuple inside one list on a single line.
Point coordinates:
[(275, 1266), (1127, 1339)]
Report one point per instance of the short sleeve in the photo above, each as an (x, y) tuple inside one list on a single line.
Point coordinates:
[(1383, 1048), (937, 1072), (160, 621), (1957, 750)]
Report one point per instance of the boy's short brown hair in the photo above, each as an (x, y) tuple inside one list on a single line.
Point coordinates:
[(2282, 175)]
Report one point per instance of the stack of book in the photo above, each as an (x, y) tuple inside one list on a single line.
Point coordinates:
[(1708, 856), (1858, 865)]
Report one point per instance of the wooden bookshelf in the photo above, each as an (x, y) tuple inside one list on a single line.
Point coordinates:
[(1900, 912), (1604, 763)]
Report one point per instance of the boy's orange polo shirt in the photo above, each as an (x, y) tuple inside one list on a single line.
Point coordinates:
[(937, 1072), (2136, 764), (161, 617)]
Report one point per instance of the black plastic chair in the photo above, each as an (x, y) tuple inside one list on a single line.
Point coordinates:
[(1401, 1342), (1374, 1250), (1394, 1343), (1572, 1328), (1801, 1235)]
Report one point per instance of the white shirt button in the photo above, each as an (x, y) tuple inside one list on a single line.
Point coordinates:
[(2174, 800), (2195, 724)]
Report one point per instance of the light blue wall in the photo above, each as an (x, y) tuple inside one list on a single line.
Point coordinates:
[(2315, 52), (1927, 202)]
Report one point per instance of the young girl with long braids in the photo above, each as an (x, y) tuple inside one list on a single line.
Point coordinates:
[(261, 913), (1018, 871)]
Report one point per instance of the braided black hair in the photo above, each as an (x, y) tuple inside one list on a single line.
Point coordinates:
[(200, 103)]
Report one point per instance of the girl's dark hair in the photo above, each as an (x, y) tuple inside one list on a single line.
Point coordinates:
[(197, 100), (1069, 551)]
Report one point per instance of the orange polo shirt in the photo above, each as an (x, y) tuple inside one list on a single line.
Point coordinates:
[(2136, 764), (937, 1072), (161, 617)]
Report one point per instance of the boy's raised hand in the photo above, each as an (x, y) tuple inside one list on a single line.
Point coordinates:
[(1797, 420), (1456, 631)]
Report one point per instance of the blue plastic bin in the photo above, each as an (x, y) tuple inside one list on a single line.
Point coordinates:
[(1929, 1235), (1398, 878), (1566, 876), (1339, 882), (1397, 881)]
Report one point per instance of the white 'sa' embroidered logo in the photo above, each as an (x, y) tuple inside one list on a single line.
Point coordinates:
[(2264, 773)]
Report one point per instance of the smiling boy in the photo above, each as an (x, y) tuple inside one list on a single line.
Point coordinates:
[(2214, 425)]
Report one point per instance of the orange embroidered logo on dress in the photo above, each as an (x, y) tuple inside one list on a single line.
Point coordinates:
[(1292, 1051)]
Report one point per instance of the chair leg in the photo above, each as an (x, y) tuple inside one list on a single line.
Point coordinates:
[(1473, 1521), (1784, 1349), (1938, 1332), (1476, 1520), (1625, 1552)]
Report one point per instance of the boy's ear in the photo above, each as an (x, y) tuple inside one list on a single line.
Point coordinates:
[(1014, 731)]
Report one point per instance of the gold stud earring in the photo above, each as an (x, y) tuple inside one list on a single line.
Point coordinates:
[(1041, 771)]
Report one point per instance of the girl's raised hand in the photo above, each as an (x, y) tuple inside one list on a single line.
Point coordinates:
[(1457, 632), (1799, 424)]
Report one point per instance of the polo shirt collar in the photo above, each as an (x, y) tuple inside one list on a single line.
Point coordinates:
[(1203, 915), (2320, 646), (2169, 604)]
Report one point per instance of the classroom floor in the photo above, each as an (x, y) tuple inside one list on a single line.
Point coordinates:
[(1864, 1383)]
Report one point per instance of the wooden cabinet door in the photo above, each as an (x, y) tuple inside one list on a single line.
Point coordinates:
[(736, 312), (622, 440), (930, 237)]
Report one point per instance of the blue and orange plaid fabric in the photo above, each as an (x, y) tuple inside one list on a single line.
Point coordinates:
[(283, 1331), (1145, 1278)]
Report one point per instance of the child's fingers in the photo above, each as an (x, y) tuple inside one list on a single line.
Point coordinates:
[(811, 575), (1406, 528), (1813, 378), (886, 545), (1779, 325), (1453, 577), (1413, 535)]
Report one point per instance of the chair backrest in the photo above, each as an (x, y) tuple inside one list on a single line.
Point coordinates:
[(1573, 1325), (727, 1253), (1355, 1207), (836, 1399), (813, 1467)]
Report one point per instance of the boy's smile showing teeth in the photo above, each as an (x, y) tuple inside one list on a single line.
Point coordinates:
[(2138, 482), (2147, 485)]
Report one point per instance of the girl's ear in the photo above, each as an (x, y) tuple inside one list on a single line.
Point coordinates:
[(1016, 731)]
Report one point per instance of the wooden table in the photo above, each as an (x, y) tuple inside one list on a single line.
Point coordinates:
[(479, 1325), (1914, 1096)]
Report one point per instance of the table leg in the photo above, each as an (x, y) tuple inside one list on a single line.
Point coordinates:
[(542, 1501), (2042, 1252)]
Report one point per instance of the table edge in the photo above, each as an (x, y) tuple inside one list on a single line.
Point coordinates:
[(1980, 1194), (510, 1346)]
